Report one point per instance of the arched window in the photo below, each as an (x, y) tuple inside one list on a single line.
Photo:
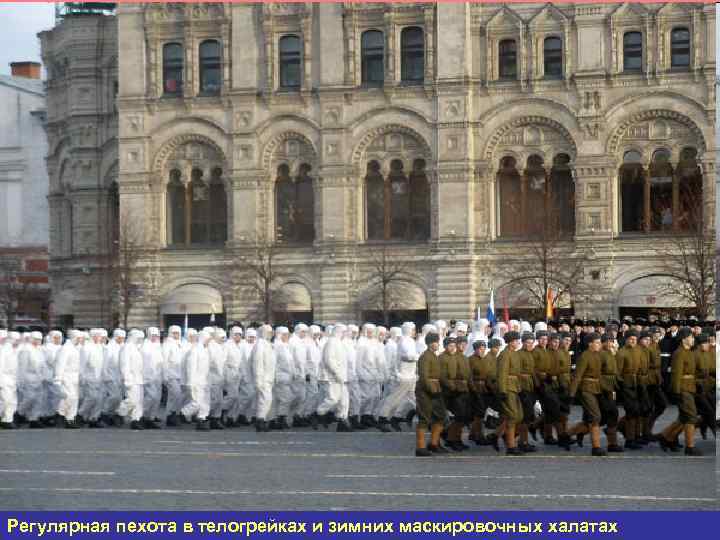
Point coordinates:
[(172, 69), (397, 207), (537, 211), (690, 188), (290, 70), (375, 202), (552, 58), (412, 46), (562, 189), (197, 211), (632, 192), (210, 72), (176, 212), (511, 205), (507, 58), (295, 206), (661, 192), (373, 47), (680, 48), (664, 198), (632, 51), (218, 208), (419, 202)]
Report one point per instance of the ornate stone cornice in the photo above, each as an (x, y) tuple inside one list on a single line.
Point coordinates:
[(162, 156), (372, 134), (494, 141), (616, 137)]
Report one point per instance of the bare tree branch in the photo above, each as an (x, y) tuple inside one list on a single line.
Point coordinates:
[(125, 268)]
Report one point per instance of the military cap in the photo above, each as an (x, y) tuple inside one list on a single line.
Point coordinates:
[(554, 335), (654, 330), (600, 324), (495, 342), (631, 333), (612, 328), (605, 338), (701, 338), (645, 334), (684, 332), (541, 333), (590, 337), (448, 340), (479, 343), (432, 337), (512, 335), (528, 335), (564, 335)]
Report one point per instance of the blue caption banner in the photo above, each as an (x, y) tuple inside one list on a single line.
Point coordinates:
[(266, 525)]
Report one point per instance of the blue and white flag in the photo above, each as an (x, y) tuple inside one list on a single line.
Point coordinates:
[(490, 315)]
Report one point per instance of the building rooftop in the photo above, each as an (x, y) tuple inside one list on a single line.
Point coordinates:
[(34, 86)]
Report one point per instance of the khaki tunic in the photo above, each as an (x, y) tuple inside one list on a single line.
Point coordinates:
[(682, 383), (428, 391), (509, 370), (587, 380)]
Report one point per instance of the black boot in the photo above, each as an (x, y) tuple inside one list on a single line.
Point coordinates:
[(395, 423), (172, 420), (136, 425), (514, 452), (215, 423), (422, 452), (409, 417), (243, 420), (615, 449), (693, 452), (95, 424), (357, 423), (259, 426), (598, 452), (314, 421), (8, 425), (528, 448), (34, 424), (203, 425), (383, 425), (282, 422), (439, 449), (343, 426), (149, 424)]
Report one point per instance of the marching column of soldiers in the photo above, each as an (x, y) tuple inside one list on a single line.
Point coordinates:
[(498, 385)]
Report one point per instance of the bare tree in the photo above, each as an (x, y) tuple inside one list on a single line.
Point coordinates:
[(388, 282), (259, 277), (14, 291), (548, 260), (125, 266), (687, 260)]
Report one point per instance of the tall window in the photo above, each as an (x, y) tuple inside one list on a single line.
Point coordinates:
[(632, 51), (412, 45), (632, 187), (680, 48), (197, 211), (661, 192), (536, 203), (294, 206), (290, 71), (552, 58), (113, 217), (172, 69), (507, 56), (398, 206), (210, 72), (373, 72)]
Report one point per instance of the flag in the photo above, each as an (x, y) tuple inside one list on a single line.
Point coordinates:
[(185, 329), (490, 314), (549, 304)]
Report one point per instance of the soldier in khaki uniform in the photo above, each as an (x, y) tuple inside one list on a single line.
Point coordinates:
[(563, 362), (546, 370), (629, 361), (483, 383), (455, 381), (509, 370), (704, 396), (429, 400), (587, 379), (608, 387), (682, 384), (528, 384), (656, 395)]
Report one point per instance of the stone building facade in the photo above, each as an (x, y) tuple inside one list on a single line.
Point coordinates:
[(23, 197), (338, 131)]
